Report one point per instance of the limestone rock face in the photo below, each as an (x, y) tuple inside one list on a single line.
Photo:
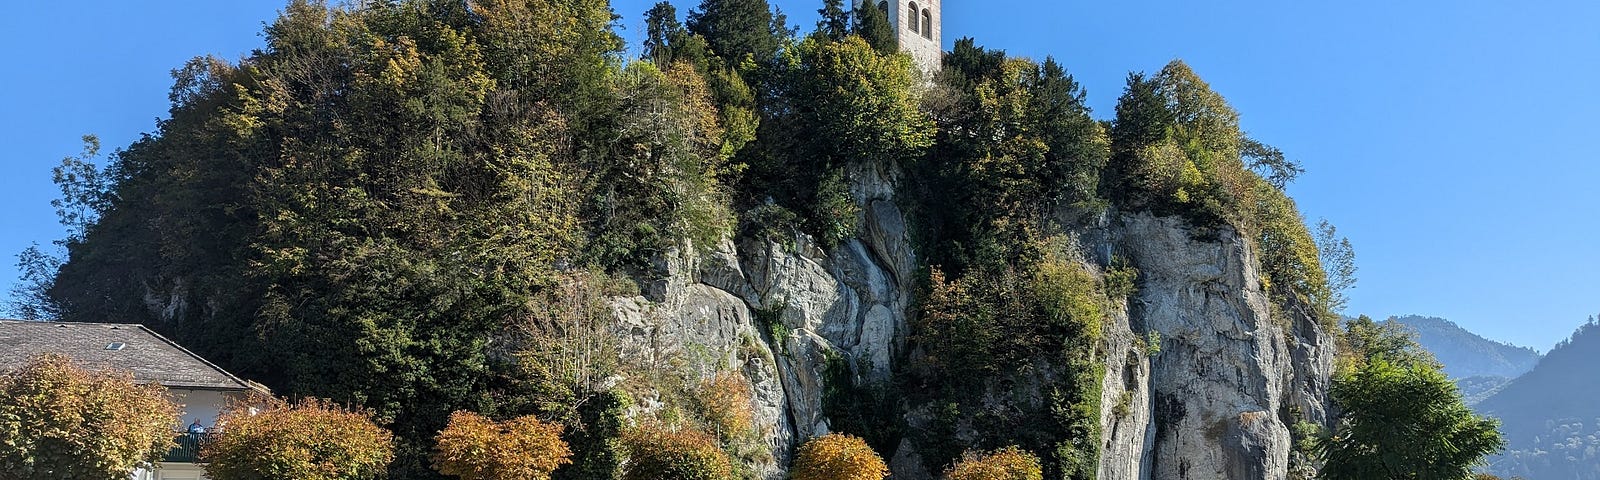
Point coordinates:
[(1202, 382), (850, 305), (1217, 399)]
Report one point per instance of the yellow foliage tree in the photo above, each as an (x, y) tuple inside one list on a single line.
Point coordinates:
[(310, 440), (473, 447), (1010, 463), (61, 421), (838, 457), (724, 404)]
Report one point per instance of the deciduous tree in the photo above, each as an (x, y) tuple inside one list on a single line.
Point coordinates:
[(474, 447), (837, 457), (1402, 418), (308, 440), (1010, 463), (58, 420), (658, 453)]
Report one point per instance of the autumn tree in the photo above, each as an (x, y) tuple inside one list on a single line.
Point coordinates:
[(473, 447), (58, 420), (837, 457), (311, 440), (723, 403), (659, 453), (1010, 463)]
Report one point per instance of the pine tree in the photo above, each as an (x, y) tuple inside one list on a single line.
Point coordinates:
[(872, 24), (835, 22), (662, 32), (737, 29)]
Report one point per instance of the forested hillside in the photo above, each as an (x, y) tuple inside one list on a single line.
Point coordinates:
[(1478, 365), (749, 238), (1549, 415)]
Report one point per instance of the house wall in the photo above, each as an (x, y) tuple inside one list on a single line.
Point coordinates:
[(202, 405), (172, 471)]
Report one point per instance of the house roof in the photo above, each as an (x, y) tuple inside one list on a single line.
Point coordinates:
[(150, 357)]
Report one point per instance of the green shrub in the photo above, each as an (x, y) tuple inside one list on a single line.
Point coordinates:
[(657, 453)]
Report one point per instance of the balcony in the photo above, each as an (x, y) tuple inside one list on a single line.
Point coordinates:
[(187, 449)]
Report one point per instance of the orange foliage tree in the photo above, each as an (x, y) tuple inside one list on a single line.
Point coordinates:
[(724, 404), (838, 457), (1010, 463), (310, 440), (656, 453), (476, 448), (60, 421)]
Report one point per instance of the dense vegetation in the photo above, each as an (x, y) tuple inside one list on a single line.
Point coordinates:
[(420, 207)]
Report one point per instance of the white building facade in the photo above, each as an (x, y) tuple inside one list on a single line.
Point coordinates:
[(919, 29)]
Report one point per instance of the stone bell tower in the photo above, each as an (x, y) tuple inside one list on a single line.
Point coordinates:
[(917, 25)]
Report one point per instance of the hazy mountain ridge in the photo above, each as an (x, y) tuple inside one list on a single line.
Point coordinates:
[(1466, 354)]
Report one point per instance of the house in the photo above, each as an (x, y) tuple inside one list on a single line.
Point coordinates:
[(199, 387)]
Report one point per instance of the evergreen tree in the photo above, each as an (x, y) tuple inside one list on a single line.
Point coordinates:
[(662, 32), (738, 29), (835, 22), (872, 24)]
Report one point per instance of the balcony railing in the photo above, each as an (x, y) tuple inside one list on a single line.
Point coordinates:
[(188, 448)]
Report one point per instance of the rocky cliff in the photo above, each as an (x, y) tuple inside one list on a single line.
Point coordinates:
[(1204, 377), (1216, 398)]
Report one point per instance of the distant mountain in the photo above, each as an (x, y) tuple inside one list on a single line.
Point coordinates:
[(1466, 354), (1551, 414)]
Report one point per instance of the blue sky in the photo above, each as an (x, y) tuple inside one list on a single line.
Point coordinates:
[(1452, 140)]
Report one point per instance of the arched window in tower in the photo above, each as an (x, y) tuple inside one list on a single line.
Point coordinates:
[(927, 24), (911, 17)]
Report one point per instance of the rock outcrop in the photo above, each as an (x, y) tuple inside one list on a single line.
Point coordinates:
[(849, 302), (1214, 396)]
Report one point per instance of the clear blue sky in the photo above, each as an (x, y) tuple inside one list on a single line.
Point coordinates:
[(1452, 140)]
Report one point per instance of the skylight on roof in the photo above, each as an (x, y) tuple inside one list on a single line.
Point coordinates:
[(116, 346)]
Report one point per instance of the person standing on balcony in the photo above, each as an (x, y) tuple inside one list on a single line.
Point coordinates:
[(196, 427)]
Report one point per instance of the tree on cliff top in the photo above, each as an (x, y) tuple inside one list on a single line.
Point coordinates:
[(739, 29)]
